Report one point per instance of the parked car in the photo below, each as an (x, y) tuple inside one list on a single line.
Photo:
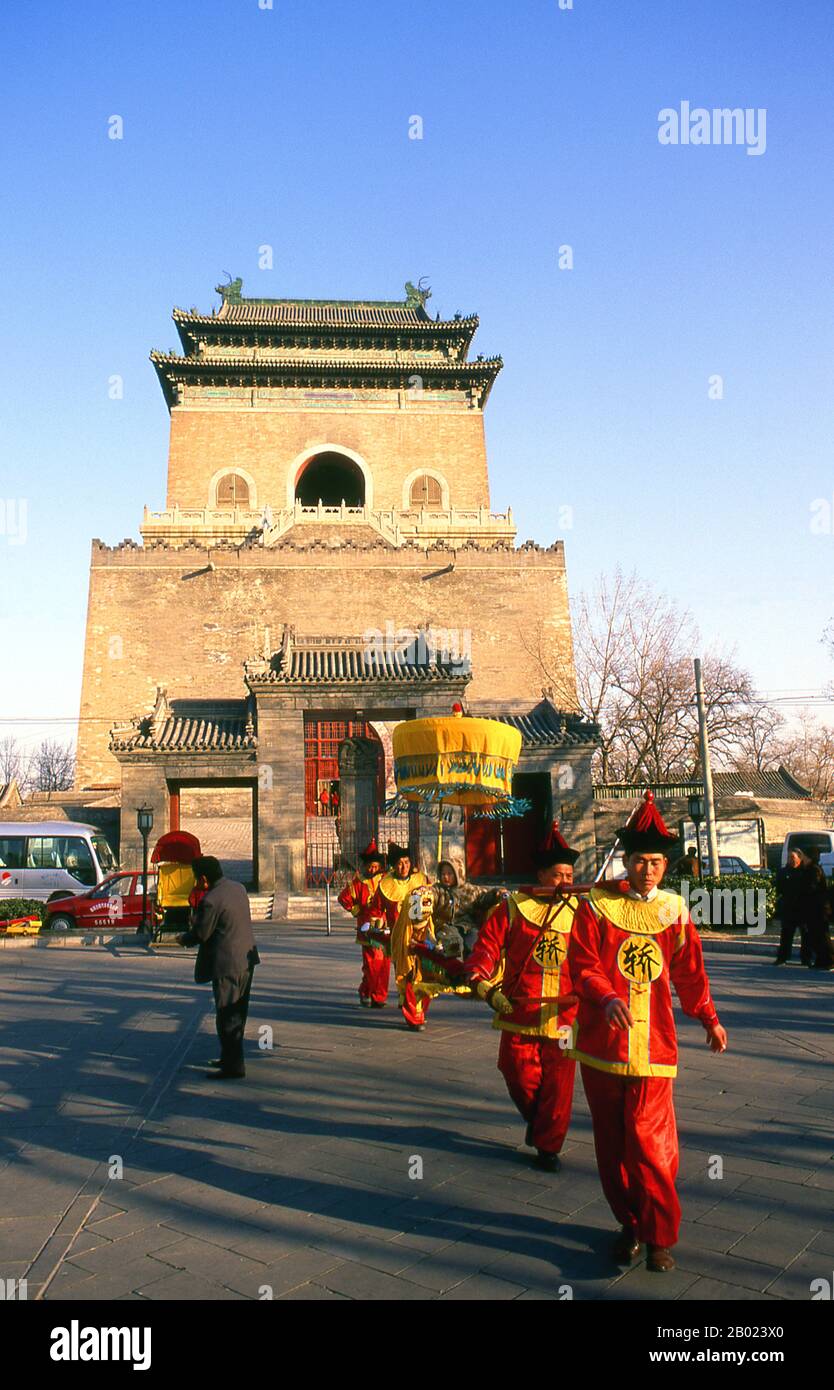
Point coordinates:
[(46, 859), (115, 902), (732, 864), (823, 840)]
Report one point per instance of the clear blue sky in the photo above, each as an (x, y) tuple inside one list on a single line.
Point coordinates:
[(289, 126)]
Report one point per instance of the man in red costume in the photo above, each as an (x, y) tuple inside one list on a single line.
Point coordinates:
[(356, 899), (519, 964), (630, 941), (392, 891)]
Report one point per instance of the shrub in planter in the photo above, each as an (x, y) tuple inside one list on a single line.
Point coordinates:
[(733, 902), (21, 907)]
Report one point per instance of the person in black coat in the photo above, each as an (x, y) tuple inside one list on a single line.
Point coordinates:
[(790, 909), (226, 956), (815, 911)]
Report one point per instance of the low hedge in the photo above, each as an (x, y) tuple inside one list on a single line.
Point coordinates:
[(21, 907), (727, 882)]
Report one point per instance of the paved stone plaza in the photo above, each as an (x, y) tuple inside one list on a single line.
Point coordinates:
[(297, 1180)]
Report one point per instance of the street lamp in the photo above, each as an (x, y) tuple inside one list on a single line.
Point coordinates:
[(697, 811), (144, 822)]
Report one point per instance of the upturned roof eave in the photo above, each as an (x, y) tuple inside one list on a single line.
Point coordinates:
[(172, 368), (210, 364), (424, 324), (303, 684), (462, 331)]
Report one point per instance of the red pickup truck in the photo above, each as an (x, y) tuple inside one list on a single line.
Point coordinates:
[(115, 903)]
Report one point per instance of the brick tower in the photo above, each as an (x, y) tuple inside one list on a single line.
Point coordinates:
[(327, 476)]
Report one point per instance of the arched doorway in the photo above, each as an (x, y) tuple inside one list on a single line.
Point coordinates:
[(330, 478)]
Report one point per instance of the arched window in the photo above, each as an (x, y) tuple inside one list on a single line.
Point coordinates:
[(426, 492), (331, 479), (233, 491)]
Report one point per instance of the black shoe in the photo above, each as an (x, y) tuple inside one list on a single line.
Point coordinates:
[(782, 960), (528, 1136), (626, 1247), (215, 1062), (550, 1163), (225, 1075), (366, 1003), (415, 1027), (378, 1004)]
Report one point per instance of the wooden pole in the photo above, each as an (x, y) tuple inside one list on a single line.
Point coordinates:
[(706, 768)]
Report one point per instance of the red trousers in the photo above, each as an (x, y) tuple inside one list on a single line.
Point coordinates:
[(413, 1010), (636, 1142), (376, 972), (539, 1077)]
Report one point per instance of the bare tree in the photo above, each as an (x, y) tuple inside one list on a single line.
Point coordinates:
[(828, 639), (635, 679), (51, 767), (757, 743), (600, 638), (808, 754), (737, 720), (12, 761)]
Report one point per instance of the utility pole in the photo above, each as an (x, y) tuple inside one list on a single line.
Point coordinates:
[(712, 837)]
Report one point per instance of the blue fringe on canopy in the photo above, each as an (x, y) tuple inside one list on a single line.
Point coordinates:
[(503, 810), (432, 805)]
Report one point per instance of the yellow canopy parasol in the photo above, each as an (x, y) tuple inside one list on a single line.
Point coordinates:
[(457, 760)]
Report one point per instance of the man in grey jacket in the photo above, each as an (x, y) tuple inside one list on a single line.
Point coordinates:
[(227, 956)]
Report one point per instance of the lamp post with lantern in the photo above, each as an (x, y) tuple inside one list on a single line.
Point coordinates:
[(144, 822), (697, 810)]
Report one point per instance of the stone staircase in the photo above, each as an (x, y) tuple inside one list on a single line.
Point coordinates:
[(260, 905), (310, 907), (302, 908)]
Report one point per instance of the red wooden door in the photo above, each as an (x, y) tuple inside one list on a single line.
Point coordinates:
[(521, 834)]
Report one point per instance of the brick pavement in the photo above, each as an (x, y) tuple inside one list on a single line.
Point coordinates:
[(297, 1183), (229, 838)]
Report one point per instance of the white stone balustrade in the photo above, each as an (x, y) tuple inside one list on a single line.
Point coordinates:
[(178, 525)]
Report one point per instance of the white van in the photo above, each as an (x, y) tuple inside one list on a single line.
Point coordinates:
[(823, 840), (46, 859)]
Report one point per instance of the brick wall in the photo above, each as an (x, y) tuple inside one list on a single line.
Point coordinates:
[(204, 803), (158, 617), (392, 441)]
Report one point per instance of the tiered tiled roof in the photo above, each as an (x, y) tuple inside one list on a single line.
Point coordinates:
[(544, 726), (283, 342), (352, 660), (325, 374), (334, 313), (189, 726), (779, 785)]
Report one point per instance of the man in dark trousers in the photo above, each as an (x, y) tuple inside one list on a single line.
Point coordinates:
[(227, 956), (790, 888)]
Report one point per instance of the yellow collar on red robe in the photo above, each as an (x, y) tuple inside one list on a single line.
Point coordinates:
[(635, 914), (395, 889), (544, 914)]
